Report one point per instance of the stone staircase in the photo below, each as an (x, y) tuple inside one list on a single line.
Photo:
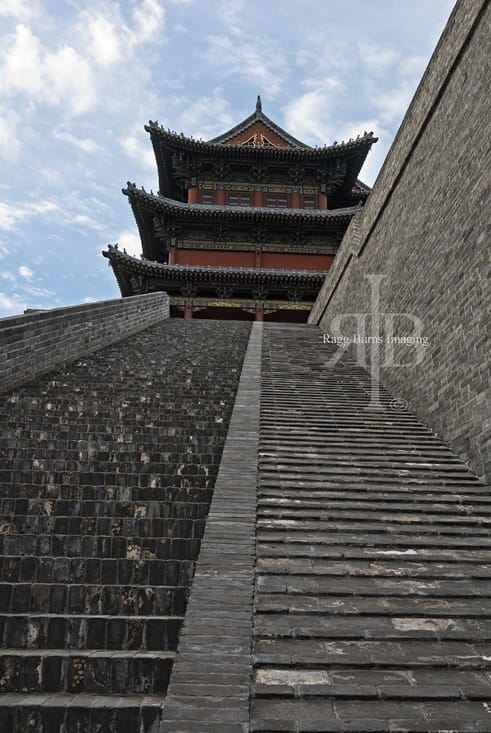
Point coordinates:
[(107, 470), (373, 576)]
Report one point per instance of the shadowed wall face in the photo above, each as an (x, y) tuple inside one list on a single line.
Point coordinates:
[(425, 230)]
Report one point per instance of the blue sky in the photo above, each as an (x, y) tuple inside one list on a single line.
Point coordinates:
[(79, 79)]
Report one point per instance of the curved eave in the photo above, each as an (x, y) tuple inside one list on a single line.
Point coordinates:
[(162, 205), (125, 267), (296, 153)]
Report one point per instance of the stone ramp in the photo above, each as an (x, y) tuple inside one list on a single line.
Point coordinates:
[(373, 582), (107, 469)]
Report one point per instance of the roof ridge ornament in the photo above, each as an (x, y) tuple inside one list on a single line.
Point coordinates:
[(259, 105)]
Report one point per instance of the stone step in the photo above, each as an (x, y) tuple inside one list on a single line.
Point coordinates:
[(41, 457), (70, 435), (87, 492), (325, 552), (369, 653), (86, 508), (90, 423), (58, 631), (373, 524), (121, 526), (112, 600), (75, 670), (100, 546), (383, 470), (167, 473), (416, 515), (406, 567), (342, 453), (359, 605), (285, 442), (387, 540), (380, 479), (377, 684), (69, 712), (373, 586), (374, 628), (399, 492), (447, 504), (186, 479), (360, 716), (122, 571)]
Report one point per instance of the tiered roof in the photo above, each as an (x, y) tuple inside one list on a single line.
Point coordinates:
[(127, 267), (171, 147), (147, 205)]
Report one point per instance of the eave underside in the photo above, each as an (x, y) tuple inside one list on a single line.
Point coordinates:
[(154, 214), (137, 276), (173, 150)]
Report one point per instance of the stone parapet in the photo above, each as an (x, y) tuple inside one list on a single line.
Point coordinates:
[(35, 343)]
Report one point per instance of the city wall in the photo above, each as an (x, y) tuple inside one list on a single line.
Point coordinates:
[(425, 228)]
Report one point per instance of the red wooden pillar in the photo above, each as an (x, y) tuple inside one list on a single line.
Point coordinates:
[(193, 195), (257, 198), (172, 255), (296, 200), (258, 257), (188, 311), (259, 312), (322, 201)]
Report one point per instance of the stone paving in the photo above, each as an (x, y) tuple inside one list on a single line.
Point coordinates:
[(107, 470), (373, 583), (343, 581)]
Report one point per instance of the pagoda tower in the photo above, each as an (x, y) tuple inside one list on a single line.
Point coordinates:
[(244, 226)]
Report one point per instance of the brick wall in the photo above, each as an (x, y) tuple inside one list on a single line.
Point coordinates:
[(36, 342), (425, 227)]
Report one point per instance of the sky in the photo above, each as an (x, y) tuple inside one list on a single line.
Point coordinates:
[(79, 79)]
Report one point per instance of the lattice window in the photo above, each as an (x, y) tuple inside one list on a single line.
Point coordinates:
[(309, 202), (206, 197), (239, 199), (277, 202)]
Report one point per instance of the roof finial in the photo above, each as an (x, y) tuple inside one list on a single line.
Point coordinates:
[(259, 106)]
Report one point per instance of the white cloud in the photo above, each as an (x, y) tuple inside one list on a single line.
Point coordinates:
[(310, 116), (8, 276), (13, 214), (84, 220), (139, 150), (377, 59), (129, 241), (26, 272), (10, 146), (105, 42), (206, 116), (393, 104), (256, 60), (19, 10), (11, 304), (47, 77), (40, 292), (70, 79), (232, 15), (148, 20), (22, 70), (85, 144)]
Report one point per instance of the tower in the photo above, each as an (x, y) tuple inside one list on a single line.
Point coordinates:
[(245, 225)]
